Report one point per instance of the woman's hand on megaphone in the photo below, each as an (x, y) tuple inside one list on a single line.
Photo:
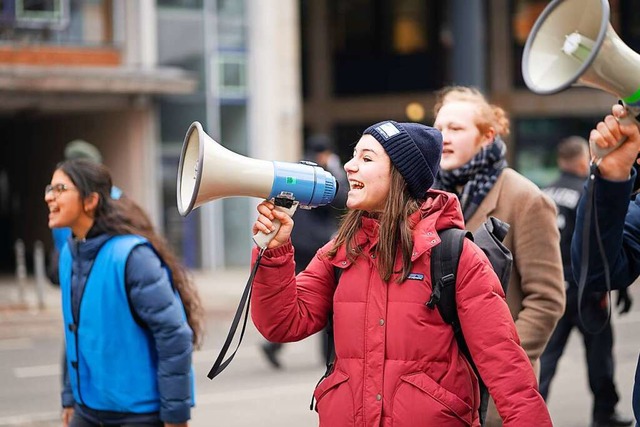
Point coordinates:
[(267, 222), (616, 165)]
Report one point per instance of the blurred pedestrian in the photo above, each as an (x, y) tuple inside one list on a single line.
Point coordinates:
[(76, 149), (132, 315), (573, 162), (475, 168), (397, 361), (314, 228)]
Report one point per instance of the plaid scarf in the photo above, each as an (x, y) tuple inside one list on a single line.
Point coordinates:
[(477, 176)]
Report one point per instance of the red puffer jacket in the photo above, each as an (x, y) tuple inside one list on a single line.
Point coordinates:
[(397, 362)]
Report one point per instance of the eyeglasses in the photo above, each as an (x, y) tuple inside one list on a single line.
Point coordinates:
[(56, 189)]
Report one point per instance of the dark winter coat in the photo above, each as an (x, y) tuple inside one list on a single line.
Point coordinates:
[(619, 223)]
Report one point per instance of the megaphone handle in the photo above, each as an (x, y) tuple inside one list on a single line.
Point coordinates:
[(261, 239), (600, 152)]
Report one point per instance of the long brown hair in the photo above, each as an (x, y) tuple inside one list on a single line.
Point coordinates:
[(124, 216), (395, 232)]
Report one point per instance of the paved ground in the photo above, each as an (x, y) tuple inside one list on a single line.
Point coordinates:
[(248, 393)]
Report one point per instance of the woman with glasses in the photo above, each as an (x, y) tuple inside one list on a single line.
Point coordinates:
[(131, 314)]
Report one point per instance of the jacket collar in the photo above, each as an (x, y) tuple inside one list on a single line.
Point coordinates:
[(441, 210), (87, 249)]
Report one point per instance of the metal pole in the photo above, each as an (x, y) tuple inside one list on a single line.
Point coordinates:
[(39, 270), (21, 269)]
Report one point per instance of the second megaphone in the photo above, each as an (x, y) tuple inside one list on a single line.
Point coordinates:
[(573, 43), (207, 171)]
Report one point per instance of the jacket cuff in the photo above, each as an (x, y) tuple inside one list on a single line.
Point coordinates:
[(176, 415), (275, 255), (67, 399)]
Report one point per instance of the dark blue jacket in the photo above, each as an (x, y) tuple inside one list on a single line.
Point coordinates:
[(619, 223), (152, 301)]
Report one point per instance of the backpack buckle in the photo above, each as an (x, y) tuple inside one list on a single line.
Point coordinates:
[(448, 280)]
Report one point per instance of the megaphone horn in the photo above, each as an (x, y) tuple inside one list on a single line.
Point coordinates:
[(207, 171), (573, 43)]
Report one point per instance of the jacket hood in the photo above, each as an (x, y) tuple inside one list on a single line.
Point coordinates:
[(440, 211)]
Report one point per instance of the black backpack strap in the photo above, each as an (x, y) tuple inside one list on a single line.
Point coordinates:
[(444, 267), (331, 351)]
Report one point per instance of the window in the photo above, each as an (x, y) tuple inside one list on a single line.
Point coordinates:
[(381, 46), (627, 13), (537, 139), (524, 15), (180, 4), (57, 22), (232, 76), (52, 14)]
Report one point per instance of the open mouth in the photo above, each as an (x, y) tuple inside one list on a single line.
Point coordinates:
[(356, 185)]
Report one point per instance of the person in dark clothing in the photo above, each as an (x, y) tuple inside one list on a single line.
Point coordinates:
[(618, 218), (573, 162), (315, 227), (132, 315)]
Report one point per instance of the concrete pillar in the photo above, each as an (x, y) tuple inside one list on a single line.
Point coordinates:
[(468, 22), (319, 64), (275, 96), (139, 31)]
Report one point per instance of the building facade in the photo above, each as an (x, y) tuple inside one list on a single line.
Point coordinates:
[(77, 70), (260, 75)]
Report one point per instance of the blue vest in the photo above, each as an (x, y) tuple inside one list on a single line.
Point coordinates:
[(111, 359), (60, 237)]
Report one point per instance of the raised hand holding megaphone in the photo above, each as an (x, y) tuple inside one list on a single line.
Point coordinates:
[(207, 171), (572, 43), (607, 135)]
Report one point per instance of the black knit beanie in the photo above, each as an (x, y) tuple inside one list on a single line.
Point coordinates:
[(415, 150)]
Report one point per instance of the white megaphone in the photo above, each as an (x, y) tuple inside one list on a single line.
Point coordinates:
[(573, 43), (207, 171)]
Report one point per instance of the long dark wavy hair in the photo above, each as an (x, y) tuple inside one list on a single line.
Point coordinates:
[(395, 230), (124, 216)]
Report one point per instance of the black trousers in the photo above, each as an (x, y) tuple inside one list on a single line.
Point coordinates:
[(598, 350), (78, 421)]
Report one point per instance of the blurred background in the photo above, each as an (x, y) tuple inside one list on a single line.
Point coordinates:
[(130, 76), (260, 75)]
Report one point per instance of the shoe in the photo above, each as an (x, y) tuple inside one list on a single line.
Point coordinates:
[(271, 353), (612, 420)]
